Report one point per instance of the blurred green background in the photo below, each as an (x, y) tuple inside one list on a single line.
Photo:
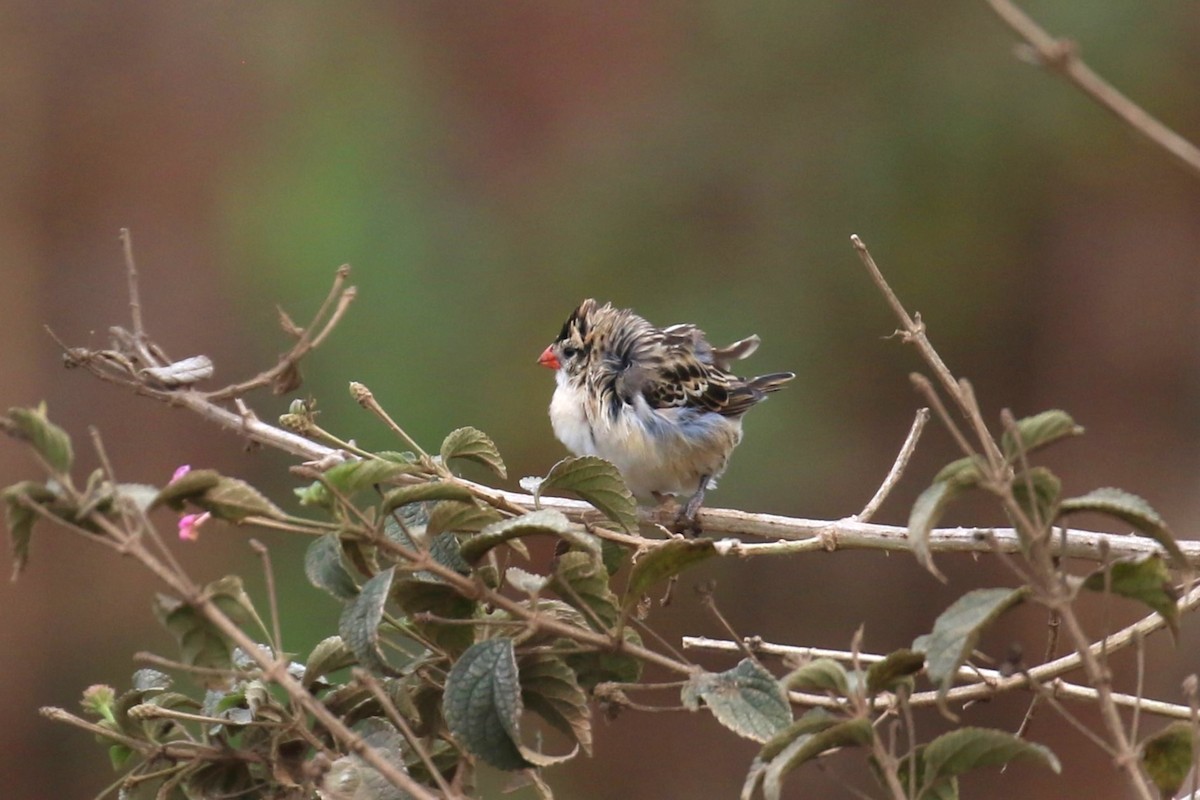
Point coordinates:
[(483, 167)]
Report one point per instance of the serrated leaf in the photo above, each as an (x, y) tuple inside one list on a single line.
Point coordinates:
[(50, 441), (958, 629), (1038, 431), (550, 689), (850, 733), (422, 492), (966, 749), (482, 703), (330, 654), (20, 518), (597, 482), (351, 477), (1146, 580), (325, 569), (746, 699), (582, 581), (359, 623), (899, 665), (546, 522), (1129, 508), (191, 485), (1167, 757), (417, 596), (234, 500), (821, 675), (200, 643), (664, 561), (955, 478), (1036, 491), (473, 445), (454, 517)]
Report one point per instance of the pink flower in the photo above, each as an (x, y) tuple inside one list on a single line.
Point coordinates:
[(189, 526), (180, 472)]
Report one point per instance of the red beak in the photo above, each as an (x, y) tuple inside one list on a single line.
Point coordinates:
[(548, 359)]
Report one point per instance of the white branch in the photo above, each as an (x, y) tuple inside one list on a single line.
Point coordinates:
[(791, 534)]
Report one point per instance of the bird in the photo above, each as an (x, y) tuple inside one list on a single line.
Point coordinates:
[(661, 404)]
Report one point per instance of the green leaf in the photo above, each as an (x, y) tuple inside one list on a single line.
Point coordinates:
[(473, 445), (600, 666), (943, 789), (325, 569), (966, 749), (954, 479), (1128, 508), (550, 689), (421, 492), (958, 629), (546, 522), (581, 580), (351, 477), (967, 471), (664, 561), (898, 666), (192, 485), (233, 500), (417, 596), (330, 654), (812, 721), (456, 517), (200, 643), (482, 703), (850, 733), (821, 675), (359, 623), (1146, 580), (746, 699), (597, 482), (1038, 431), (20, 518), (1167, 757), (1036, 491), (50, 441)]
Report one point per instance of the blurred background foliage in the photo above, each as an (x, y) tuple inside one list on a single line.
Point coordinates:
[(483, 167)]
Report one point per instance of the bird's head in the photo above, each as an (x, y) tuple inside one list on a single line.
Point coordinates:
[(570, 351)]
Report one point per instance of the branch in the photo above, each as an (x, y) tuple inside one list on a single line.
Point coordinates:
[(1062, 56)]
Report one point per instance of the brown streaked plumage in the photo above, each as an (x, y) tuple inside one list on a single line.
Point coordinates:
[(661, 404)]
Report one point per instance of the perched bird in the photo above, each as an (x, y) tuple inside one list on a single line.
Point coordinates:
[(660, 404)]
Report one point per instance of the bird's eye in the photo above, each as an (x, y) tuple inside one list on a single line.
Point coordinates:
[(570, 351)]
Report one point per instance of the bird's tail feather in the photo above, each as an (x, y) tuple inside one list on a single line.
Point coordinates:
[(771, 382)]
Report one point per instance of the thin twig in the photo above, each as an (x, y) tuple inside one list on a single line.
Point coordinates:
[(1062, 57), (396, 718), (272, 599), (898, 467)]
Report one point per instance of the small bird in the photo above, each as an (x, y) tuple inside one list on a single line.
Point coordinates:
[(659, 403)]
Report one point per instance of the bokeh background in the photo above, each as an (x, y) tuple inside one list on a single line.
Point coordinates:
[(483, 167)]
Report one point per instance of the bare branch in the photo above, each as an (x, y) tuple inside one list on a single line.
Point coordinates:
[(1062, 56)]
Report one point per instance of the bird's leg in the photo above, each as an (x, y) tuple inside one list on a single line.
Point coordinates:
[(686, 521)]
